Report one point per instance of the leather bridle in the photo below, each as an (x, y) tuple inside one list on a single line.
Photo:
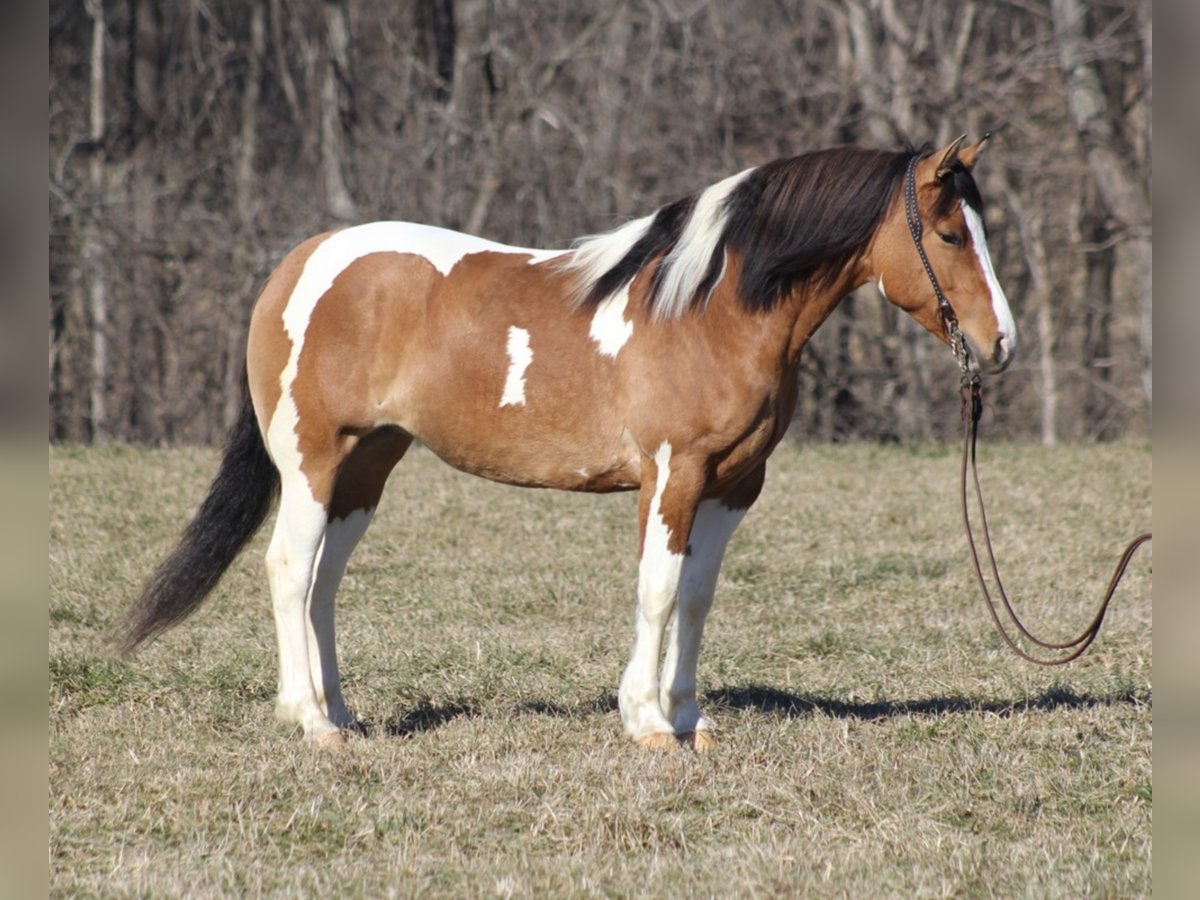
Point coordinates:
[(972, 399), (912, 215)]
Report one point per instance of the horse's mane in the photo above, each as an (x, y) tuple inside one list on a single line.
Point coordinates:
[(792, 221)]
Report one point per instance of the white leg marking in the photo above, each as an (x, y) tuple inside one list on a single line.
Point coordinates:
[(713, 526), (519, 357), (658, 582), (341, 537), (299, 531), (609, 328), (1004, 317)]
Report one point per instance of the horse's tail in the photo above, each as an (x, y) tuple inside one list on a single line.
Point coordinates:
[(238, 501)]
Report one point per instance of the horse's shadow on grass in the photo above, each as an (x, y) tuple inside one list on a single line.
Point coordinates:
[(774, 702), (427, 716), (769, 701)]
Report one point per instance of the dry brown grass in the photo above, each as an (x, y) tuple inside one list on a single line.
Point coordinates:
[(876, 738)]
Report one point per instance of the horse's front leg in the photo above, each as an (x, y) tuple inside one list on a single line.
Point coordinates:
[(666, 506), (713, 526)]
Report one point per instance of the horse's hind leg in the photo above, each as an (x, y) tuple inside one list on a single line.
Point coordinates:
[(341, 537), (299, 533), (356, 493)]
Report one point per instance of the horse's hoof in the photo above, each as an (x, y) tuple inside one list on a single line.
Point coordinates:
[(330, 740), (658, 741), (700, 741)]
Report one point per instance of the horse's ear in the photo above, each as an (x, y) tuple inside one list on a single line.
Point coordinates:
[(970, 156), (946, 157)]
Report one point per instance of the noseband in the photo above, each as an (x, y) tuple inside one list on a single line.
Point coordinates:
[(972, 397)]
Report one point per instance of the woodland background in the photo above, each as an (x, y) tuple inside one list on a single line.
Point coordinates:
[(193, 142)]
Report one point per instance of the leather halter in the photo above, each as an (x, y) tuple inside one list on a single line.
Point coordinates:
[(912, 214)]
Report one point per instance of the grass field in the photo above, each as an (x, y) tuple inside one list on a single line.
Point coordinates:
[(876, 739)]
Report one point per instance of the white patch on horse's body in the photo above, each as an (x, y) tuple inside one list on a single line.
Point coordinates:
[(610, 329), (879, 284), (443, 247), (595, 254), (658, 533), (712, 528), (658, 582), (689, 260), (1004, 317), (519, 357)]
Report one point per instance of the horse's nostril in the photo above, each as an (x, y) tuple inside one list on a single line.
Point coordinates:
[(1002, 350)]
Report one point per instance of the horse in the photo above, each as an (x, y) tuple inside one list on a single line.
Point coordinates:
[(660, 357)]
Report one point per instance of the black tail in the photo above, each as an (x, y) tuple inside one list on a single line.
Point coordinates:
[(237, 503)]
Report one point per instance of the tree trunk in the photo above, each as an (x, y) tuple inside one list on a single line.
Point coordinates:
[(436, 38), (247, 185), (1035, 252), (1029, 229), (866, 78), (148, 414), (93, 250), (1098, 310), (1123, 196), (335, 100), (247, 201)]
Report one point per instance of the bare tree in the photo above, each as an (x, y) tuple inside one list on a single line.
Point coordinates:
[(1124, 196), (182, 134), (93, 249), (335, 105)]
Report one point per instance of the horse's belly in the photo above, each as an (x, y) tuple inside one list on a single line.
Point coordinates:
[(536, 458)]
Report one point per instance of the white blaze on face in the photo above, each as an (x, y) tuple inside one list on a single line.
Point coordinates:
[(519, 358), (1004, 317), (610, 329)]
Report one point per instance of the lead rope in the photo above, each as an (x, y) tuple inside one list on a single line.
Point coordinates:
[(972, 392), (972, 398)]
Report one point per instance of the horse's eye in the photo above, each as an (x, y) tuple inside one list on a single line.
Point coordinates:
[(952, 239)]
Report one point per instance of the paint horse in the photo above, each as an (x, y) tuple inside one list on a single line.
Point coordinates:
[(660, 357)]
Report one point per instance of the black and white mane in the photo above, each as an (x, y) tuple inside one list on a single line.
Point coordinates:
[(791, 221)]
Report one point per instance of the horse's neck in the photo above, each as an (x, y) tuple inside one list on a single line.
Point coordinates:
[(807, 306)]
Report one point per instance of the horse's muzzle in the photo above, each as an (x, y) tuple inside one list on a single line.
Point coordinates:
[(994, 361)]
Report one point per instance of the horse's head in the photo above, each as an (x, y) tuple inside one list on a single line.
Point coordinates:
[(952, 233)]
